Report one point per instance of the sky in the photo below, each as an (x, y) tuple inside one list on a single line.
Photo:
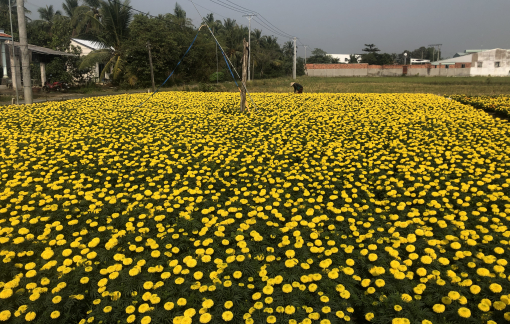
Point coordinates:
[(343, 27)]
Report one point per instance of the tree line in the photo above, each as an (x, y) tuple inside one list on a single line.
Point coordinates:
[(372, 56), (123, 35)]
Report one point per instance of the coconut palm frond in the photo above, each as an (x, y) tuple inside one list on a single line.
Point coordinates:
[(99, 56)]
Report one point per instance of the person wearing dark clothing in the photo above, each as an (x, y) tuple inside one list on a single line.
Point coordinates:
[(297, 87)]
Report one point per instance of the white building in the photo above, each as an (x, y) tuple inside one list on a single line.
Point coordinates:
[(494, 62), (344, 58), (88, 47)]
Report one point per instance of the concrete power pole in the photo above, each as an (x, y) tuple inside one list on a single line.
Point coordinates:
[(244, 73), (249, 43), (305, 46), (25, 59), (294, 61), (152, 69), (13, 56)]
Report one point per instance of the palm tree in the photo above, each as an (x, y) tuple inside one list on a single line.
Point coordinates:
[(48, 14), (288, 49), (84, 16), (69, 6), (110, 29)]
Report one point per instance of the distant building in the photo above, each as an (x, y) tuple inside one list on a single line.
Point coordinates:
[(344, 58), (86, 48), (466, 52), (419, 61), (494, 62)]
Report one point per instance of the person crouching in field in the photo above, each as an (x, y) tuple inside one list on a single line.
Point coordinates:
[(297, 87)]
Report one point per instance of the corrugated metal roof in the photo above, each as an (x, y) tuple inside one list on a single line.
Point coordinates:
[(90, 44), (5, 36), (42, 50)]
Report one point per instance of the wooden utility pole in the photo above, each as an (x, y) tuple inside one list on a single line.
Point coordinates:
[(25, 59), (152, 70), (246, 51)]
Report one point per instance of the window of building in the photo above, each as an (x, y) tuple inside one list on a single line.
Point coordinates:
[(463, 66), (497, 64), (479, 64), (447, 67)]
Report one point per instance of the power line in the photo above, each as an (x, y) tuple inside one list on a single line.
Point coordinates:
[(262, 23), (211, 11), (288, 35), (145, 13)]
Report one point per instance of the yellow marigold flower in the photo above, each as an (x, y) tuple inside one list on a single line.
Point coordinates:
[(146, 320), (271, 319), (190, 312), (484, 307), (369, 316), (131, 318), (227, 316), (495, 288), (475, 289), (426, 259), (55, 314), (438, 308), (181, 302), (268, 290), (5, 315), (168, 305), (453, 295), (205, 318), (406, 298), (287, 288), (130, 309), (499, 305), (29, 316), (289, 310), (398, 308)]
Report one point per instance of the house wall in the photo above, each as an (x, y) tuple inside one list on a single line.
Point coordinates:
[(85, 51), (363, 69), (337, 70), (488, 60)]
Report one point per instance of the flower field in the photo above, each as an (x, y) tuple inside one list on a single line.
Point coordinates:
[(495, 103), (318, 208)]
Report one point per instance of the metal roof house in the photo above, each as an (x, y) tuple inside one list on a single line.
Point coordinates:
[(86, 48), (37, 54)]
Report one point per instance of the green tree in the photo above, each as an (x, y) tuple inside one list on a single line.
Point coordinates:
[(111, 29), (371, 48), (353, 59), (320, 56)]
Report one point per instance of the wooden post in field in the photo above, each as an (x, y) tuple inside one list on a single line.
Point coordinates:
[(152, 70), (244, 73)]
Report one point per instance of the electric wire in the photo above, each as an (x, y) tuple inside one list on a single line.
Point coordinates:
[(261, 16), (262, 23), (244, 86), (145, 13)]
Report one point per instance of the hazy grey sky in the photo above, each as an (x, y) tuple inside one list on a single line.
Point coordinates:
[(342, 27)]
